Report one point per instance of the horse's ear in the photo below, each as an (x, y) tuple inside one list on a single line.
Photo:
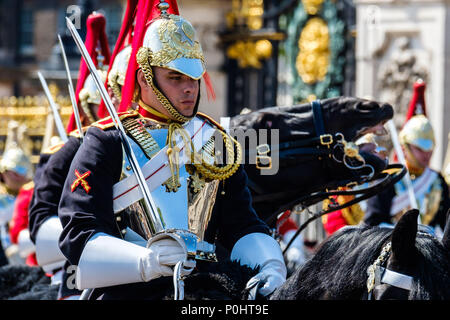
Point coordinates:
[(446, 237), (404, 236)]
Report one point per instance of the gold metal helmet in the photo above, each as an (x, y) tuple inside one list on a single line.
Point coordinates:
[(418, 132), (15, 157), (170, 42), (117, 74), (90, 94)]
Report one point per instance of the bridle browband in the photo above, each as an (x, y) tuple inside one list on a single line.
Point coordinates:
[(377, 274)]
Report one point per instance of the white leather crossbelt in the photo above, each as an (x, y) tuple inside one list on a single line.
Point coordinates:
[(157, 170)]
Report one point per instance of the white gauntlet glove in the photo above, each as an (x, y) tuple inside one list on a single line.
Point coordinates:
[(160, 258), (260, 249), (26, 247), (109, 261), (48, 254), (270, 277)]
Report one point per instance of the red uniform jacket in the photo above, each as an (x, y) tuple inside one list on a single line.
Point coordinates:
[(335, 220), (19, 220)]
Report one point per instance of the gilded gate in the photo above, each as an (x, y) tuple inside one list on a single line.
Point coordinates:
[(34, 112)]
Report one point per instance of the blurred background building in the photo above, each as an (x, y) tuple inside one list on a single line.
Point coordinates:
[(252, 48), (259, 53)]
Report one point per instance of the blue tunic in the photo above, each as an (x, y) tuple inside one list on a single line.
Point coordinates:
[(48, 184), (87, 209)]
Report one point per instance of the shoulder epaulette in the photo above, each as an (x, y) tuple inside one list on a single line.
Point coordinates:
[(76, 133), (211, 120), (107, 122), (53, 149)]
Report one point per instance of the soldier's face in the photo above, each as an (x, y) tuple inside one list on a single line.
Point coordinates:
[(422, 157), (94, 109), (13, 180), (181, 90)]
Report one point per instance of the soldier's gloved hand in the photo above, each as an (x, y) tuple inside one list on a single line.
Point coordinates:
[(270, 277), (295, 254), (160, 258)]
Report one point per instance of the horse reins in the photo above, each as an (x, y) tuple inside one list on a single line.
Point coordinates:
[(385, 181), (325, 145)]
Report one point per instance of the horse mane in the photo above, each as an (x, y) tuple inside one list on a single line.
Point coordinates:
[(434, 268), (338, 269)]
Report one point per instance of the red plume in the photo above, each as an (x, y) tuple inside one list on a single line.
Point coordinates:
[(124, 39), (95, 36), (417, 103), (146, 12), (209, 87)]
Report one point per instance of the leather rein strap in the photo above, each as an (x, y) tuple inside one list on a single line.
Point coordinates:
[(318, 145)]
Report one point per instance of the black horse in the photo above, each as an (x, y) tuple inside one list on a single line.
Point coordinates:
[(307, 163), (339, 269)]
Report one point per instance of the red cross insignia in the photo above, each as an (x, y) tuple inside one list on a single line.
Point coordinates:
[(81, 180)]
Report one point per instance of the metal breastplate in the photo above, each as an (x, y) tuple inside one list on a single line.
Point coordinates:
[(428, 201), (189, 208)]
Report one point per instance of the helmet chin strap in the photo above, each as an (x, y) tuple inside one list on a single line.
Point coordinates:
[(194, 112), (143, 59)]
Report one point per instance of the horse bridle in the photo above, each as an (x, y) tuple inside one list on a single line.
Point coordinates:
[(325, 145), (378, 275), (385, 180)]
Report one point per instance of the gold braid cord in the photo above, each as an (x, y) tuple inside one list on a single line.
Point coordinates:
[(173, 153), (213, 172), (198, 165), (143, 57)]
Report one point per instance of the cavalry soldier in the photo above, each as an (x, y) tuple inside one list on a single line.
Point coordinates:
[(45, 226), (18, 226), (16, 172), (164, 78), (430, 188)]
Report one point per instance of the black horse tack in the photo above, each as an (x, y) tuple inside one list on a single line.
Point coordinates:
[(418, 264), (314, 149), (311, 142)]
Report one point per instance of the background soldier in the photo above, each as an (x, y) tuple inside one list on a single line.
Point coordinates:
[(45, 226), (16, 171), (430, 188)]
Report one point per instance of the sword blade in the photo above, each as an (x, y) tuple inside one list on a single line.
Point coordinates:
[(401, 158), (56, 116), (154, 218), (73, 99)]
